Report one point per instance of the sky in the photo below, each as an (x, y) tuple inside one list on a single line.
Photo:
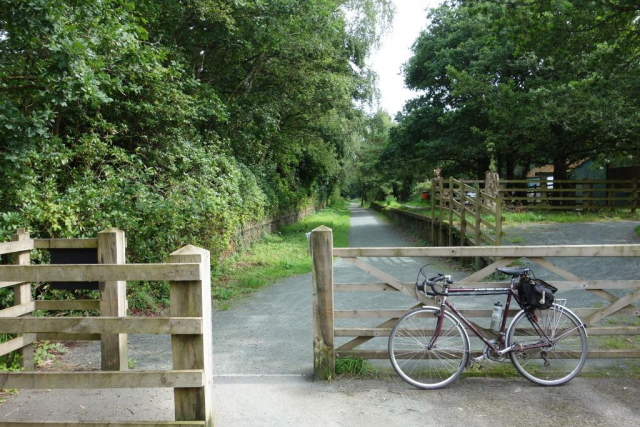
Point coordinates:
[(409, 20)]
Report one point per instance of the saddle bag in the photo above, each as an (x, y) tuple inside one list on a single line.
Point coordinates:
[(536, 293)]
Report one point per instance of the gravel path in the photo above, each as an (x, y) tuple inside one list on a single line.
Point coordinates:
[(263, 362)]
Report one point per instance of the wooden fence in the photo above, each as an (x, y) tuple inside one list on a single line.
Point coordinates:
[(189, 324), (584, 195), (324, 315), (476, 214)]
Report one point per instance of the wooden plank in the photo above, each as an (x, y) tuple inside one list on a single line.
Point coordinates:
[(101, 379), (580, 207), (107, 424), (561, 285), (613, 307), (7, 284), (573, 198), (543, 188), (378, 274), (487, 224), (113, 300), (102, 325), (365, 287), (67, 337), (193, 351), (99, 273), (384, 332), (591, 354), (65, 243), (397, 313), (492, 251), (66, 305), (491, 268), (16, 344), (322, 303), (22, 296), (16, 246), (19, 310), (545, 263)]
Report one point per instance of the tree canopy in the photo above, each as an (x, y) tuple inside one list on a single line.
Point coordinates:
[(506, 85), (177, 121)]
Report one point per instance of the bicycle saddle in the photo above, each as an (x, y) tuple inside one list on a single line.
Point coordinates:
[(514, 271)]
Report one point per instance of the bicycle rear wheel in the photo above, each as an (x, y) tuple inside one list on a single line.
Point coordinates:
[(423, 367), (560, 360)]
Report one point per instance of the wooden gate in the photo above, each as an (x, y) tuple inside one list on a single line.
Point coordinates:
[(324, 288), (188, 273)]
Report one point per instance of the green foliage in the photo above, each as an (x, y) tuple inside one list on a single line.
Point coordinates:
[(177, 122), (513, 84)]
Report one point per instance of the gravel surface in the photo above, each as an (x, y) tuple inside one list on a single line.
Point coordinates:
[(263, 364)]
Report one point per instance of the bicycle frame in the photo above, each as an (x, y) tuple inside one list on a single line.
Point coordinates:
[(511, 294)]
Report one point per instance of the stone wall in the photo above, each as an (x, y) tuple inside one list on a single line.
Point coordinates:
[(249, 234)]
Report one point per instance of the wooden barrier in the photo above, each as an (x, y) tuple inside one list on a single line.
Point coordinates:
[(189, 324), (584, 195), (617, 306), (476, 214)]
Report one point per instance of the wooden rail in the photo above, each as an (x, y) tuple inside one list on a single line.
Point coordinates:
[(476, 214), (189, 325), (325, 289), (584, 195)]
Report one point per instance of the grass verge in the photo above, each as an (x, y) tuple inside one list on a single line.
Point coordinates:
[(355, 368), (277, 256)]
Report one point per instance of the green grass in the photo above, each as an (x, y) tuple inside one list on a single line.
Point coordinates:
[(277, 256), (638, 231), (512, 218), (355, 368)]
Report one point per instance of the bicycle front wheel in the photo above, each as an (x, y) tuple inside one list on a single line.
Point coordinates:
[(565, 345), (415, 362)]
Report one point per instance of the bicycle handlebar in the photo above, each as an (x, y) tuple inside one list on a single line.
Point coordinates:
[(431, 282)]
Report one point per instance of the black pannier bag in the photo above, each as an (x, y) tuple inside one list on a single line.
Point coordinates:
[(536, 293)]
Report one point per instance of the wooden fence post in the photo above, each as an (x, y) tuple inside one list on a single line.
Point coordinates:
[(634, 206), (463, 214), (586, 194), (499, 221), (451, 198), (193, 299), (324, 364), (433, 211), (22, 295), (478, 239), (440, 213), (113, 300)]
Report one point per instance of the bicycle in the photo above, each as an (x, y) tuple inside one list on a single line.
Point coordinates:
[(429, 347)]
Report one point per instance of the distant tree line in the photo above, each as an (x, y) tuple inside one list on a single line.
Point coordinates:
[(177, 121), (511, 84)]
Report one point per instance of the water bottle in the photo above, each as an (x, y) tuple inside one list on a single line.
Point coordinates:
[(496, 317)]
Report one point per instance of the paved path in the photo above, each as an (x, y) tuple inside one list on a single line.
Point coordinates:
[(263, 362)]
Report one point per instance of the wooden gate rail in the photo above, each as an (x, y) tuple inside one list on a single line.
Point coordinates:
[(188, 274), (451, 198), (325, 331)]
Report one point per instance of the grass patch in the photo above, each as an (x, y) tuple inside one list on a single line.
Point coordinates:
[(277, 256), (541, 217), (356, 368), (619, 342), (638, 231)]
